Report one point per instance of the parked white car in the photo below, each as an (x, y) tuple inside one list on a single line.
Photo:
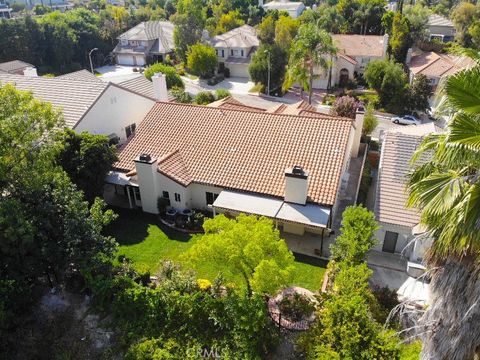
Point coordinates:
[(406, 120)]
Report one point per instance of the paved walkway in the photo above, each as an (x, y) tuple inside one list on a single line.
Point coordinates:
[(234, 85)]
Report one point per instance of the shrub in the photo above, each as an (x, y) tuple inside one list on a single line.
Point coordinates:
[(222, 94), (173, 79), (345, 106), (181, 96), (370, 121), (226, 72), (296, 307), (204, 98)]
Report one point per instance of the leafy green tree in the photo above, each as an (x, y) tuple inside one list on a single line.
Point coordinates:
[(417, 16), (312, 50), (285, 31), (248, 247), (446, 190), (390, 82), (202, 60), (189, 23), (171, 75), (463, 16), (266, 30), (86, 158), (370, 121), (259, 66), (229, 21), (400, 39), (362, 16), (419, 93), (357, 236)]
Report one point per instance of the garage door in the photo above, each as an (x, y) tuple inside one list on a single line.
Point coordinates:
[(238, 70), (139, 61), (125, 59), (320, 83)]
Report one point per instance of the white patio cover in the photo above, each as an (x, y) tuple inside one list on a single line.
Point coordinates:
[(119, 178), (310, 214), (248, 203)]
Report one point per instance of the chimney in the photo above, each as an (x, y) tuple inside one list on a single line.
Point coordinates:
[(159, 81), (385, 45), (357, 135), (296, 185), (146, 168)]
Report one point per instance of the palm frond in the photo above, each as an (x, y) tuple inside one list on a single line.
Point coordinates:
[(463, 90), (465, 131)]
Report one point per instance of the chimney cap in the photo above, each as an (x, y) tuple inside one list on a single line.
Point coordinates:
[(296, 171), (145, 158)]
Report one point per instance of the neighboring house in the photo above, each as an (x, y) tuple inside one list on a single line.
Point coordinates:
[(235, 49), (354, 53), (399, 225), (440, 28), (18, 67), (436, 66), (5, 11), (89, 104), (294, 9), (62, 6), (148, 42), (236, 159)]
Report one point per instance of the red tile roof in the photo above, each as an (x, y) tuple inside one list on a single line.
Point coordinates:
[(243, 150)]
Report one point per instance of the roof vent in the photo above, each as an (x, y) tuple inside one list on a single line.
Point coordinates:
[(145, 158), (298, 170)]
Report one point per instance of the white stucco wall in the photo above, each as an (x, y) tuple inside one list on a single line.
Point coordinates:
[(116, 109), (404, 236), (164, 183)]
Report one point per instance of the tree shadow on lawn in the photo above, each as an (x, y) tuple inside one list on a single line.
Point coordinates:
[(310, 260), (132, 227)]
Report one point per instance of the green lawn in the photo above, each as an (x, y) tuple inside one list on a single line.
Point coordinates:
[(147, 243)]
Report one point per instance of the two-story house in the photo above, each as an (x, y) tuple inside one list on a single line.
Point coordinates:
[(148, 42), (5, 10), (354, 53), (440, 28), (235, 49)]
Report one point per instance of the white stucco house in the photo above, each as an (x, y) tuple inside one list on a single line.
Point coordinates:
[(354, 53), (5, 10), (287, 164), (440, 28), (89, 104), (148, 42), (235, 49), (399, 223), (293, 8)]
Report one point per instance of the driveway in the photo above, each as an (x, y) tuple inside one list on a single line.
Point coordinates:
[(117, 73), (234, 85)]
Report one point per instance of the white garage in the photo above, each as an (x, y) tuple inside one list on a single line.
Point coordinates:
[(132, 60), (238, 70)]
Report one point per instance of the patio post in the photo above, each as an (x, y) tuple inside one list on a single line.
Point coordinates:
[(129, 198)]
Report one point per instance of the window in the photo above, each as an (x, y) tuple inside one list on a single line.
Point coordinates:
[(223, 53), (130, 130), (177, 197), (136, 192), (216, 52), (242, 53), (390, 241), (166, 196), (231, 52), (211, 197)]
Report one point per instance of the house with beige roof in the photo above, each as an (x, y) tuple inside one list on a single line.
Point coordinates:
[(288, 165), (18, 67), (440, 28), (437, 66), (89, 104), (235, 49), (399, 224), (148, 42), (354, 53)]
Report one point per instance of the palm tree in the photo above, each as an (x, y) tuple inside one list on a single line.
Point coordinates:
[(308, 53), (447, 190)]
